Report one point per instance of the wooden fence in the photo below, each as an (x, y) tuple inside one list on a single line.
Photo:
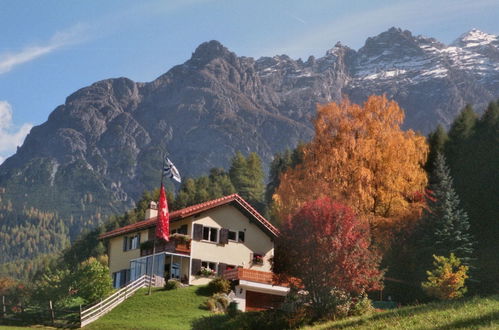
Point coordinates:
[(70, 318), (94, 312), (23, 315)]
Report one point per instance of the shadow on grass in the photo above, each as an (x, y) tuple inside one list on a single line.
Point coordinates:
[(204, 291), (266, 320), (474, 322), (406, 312)]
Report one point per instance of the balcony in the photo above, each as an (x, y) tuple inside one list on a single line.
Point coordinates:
[(179, 244), (249, 275), (259, 276)]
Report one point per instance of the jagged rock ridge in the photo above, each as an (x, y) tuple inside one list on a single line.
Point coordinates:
[(100, 150)]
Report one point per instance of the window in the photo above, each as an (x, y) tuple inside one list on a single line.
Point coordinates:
[(141, 266), (131, 242), (182, 230), (236, 236), (209, 265), (121, 278), (210, 234), (241, 236)]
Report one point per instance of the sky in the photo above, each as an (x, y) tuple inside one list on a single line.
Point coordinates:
[(51, 48)]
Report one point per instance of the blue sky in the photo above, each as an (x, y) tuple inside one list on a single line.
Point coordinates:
[(51, 48)]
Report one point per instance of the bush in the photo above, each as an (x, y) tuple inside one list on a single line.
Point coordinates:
[(218, 303), (172, 285), (233, 310), (446, 281), (362, 305), (219, 285), (339, 304)]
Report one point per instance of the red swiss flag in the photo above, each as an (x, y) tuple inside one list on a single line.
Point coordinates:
[(163, 226)]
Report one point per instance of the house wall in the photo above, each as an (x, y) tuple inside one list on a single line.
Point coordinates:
[(119, 259), (233, 253)]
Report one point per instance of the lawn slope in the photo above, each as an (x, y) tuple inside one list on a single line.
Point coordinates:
[(474, 313), (175, 309)]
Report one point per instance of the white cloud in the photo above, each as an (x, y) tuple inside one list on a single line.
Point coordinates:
[(10, 137), (73, 35)]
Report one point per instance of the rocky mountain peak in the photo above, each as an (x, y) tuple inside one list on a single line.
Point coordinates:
[(210, 50), (393, 42), (475, 38)]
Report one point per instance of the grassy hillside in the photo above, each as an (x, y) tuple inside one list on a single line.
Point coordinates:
[(174, 309), (181, 309), (475, 313)]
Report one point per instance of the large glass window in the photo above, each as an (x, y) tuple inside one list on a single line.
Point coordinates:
[(141, 266)]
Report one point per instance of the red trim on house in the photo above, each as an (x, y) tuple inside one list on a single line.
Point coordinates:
[(237, 200)]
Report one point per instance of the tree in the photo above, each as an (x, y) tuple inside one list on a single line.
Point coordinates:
[(280, 163), (202, 189), (327, 247), (473, 159), (246, 174), (436, 142), (462, 128), (92, 280), (359, 155), (446, 280), (447, 225), (55, 285)]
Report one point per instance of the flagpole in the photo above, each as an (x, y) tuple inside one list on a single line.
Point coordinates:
[(154, 239)]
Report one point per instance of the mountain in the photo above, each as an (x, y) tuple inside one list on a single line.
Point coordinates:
[(102, 148)]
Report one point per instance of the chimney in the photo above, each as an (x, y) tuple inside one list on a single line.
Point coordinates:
[(152, 211)]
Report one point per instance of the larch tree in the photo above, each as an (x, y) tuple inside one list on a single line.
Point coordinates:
[(361, 156)]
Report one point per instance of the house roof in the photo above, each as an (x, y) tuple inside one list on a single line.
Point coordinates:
[(233, 199)]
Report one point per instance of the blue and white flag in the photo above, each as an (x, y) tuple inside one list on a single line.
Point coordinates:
[(171, 171)]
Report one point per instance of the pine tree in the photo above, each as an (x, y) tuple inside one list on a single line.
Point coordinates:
[(459, 134), (436, 141), (278, 165), (447, 225), (246, 174)]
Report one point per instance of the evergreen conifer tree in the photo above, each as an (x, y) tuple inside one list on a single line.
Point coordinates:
[(246, 174), (436, 141), (459, 134), (447, 225)]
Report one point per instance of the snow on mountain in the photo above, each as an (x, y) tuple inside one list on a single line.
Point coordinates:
[(475, 38)]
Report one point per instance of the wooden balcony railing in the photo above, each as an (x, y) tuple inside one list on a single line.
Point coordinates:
[(259, 276), (249, 275)]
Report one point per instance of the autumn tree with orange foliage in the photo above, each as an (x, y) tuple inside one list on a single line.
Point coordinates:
[(360, 156)]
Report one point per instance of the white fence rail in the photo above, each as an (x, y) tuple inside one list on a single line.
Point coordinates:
[(94, 312)]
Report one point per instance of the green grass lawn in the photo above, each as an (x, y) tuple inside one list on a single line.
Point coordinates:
[(175, 309), (181, 309), (474, 313)]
